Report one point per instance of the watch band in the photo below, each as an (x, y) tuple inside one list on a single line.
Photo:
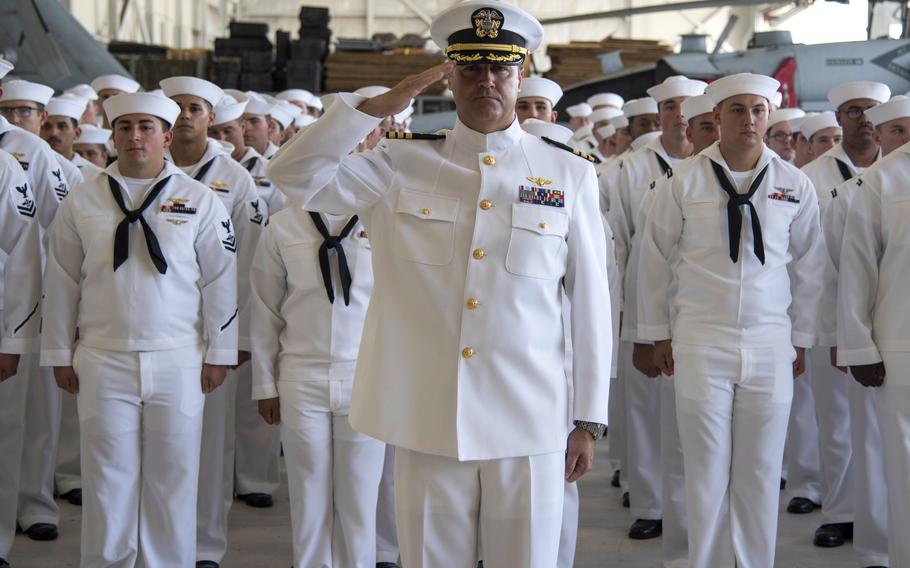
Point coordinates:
[(596, 429)]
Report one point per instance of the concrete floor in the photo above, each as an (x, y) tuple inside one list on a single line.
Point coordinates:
[(260, 538)]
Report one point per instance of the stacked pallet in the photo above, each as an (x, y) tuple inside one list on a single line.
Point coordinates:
[(306, 55), (348, 71), (244, 60), (578, 61)]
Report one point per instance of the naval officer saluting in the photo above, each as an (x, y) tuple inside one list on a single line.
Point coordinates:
[(478, 234)]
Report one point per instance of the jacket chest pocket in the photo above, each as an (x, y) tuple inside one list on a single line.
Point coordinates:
[(176, 235), (705, 223), (895, 213), (537, 244), (301, 261), (425, 228)]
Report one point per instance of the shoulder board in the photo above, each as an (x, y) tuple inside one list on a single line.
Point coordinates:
[(567, 148), (413, 136)]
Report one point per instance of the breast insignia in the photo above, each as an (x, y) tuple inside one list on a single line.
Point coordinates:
[(414, 136), (567, 148)]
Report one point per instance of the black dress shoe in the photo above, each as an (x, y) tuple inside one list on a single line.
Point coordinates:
[(4, 563), (258, 500), (207, 564), (644, 529), (615, 481), (41, 531), (830, 536), (393, 565), (73, 497), (801, 506), (625, 500)]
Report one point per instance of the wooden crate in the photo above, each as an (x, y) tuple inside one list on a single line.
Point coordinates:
[(348, 71), (577, 61)]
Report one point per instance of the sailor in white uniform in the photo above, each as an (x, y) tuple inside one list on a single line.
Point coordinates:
[(779, 137), (831, 386), (23, 103), (311, 280), (872, 321), (91, 145), (142, 259), (20, 315), (537, 99), (870, 495), (735, 349), (108, 86), (488, 228), (207, 161)]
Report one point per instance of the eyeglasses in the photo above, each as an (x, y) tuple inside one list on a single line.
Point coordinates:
[(21, 112), (780, 137), (855, 112)]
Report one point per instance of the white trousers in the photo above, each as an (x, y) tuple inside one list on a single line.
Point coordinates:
[(216, 471), (386, 527), (13, 394), (568, 535), (67, 474), (894, 406), (140, 419), (835, 448), (870, 491), (616, 433), (675, 539), (513, 505), (39, 454), (732, 406), (642, 438), (801, 458), (333, 476), (257, 446)]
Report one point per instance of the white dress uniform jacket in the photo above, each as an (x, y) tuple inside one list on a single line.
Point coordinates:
[(19, 322), (872, 322), (82, 285), (462, 346), (70, 170), (235, 188), (45, 176), (256, 164), (726, 304), (871, 293), (21, 246), (297, 333)]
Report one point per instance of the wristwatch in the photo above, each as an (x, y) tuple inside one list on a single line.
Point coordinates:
[(596, 429)]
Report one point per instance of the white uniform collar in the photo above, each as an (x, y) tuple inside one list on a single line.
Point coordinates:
[(212, 148), (478, 142), (249, 154), (644, 139), (113, 171), (839, 153), (6, 125), (712, 152), (658, 147)]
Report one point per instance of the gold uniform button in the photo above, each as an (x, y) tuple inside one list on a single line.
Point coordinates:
[(486, 204), (489, 160), (425, 211), (467, 352), (472, 303), (479, 254)]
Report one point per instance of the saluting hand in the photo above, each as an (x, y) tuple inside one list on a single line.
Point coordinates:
[(270, 410), (66, 379), (9, 364), (212, 376), (579, 455), (400, 96), (663, 356)]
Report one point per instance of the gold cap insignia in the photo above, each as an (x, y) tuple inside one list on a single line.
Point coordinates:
[(487, 22)]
